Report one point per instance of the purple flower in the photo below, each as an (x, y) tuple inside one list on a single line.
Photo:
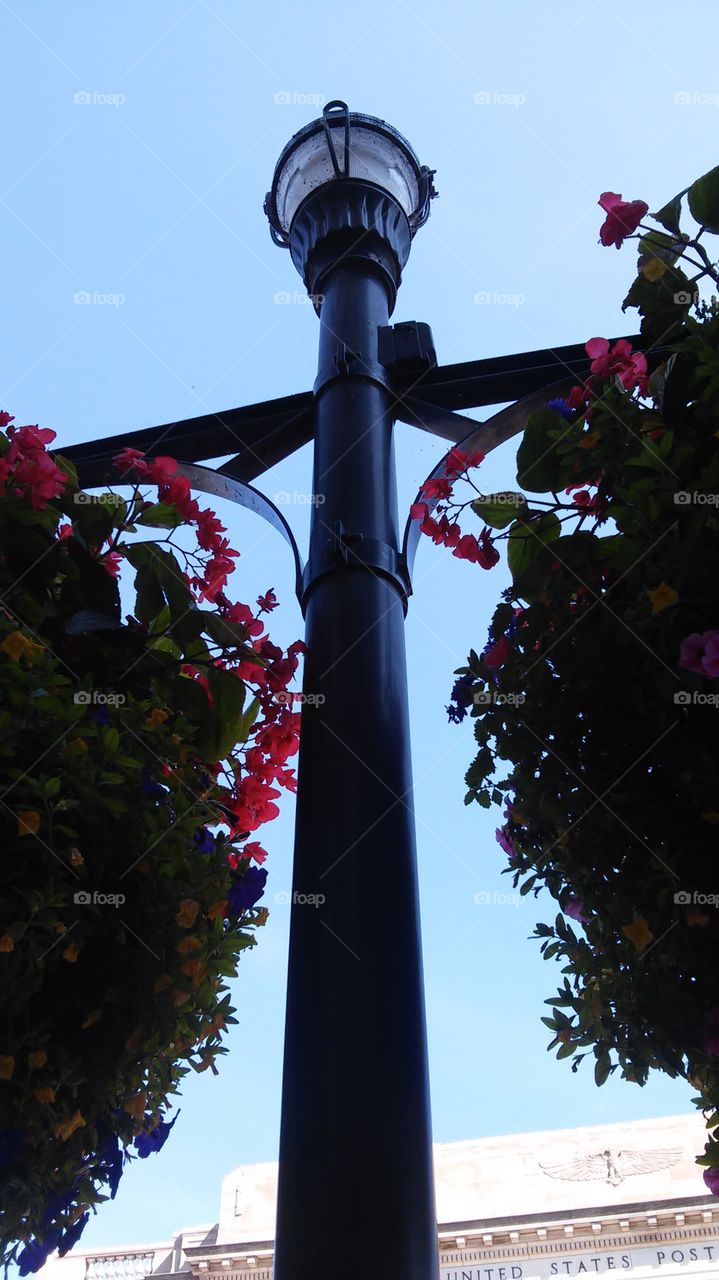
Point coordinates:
[(561, 407), (574, 907), (152, 788), (711, 1177), (71, 1234), (247, 891), (155, 1140), (36, 1253), (100, 715), (204, 840), (699, 652), (711, 1033), (504, 841), (110, 1154)]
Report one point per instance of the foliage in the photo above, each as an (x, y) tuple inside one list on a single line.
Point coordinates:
[(136, 758)]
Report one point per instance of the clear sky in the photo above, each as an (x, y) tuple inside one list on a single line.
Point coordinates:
[(149, 187)]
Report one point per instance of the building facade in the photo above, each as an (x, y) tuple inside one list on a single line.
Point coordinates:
[(623, 1198)]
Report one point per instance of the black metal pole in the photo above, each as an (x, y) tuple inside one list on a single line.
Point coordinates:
[(356, 1192)]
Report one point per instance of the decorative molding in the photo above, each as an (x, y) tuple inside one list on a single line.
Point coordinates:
[(606, 1166)]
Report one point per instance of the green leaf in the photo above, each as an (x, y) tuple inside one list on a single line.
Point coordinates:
[(704, 200), (538, 468), (149, 598), (527, 541), (670, 213), (499, 509), (228, 692), (163, 515), (602, 1068)]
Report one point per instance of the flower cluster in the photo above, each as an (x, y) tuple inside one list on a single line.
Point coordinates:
[(436, 495), (26, 468)]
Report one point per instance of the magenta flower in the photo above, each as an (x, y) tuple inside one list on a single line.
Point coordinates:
[(504, 841), (711, 1033), (711, 1177), (623, 217), (621, 362), (574, 907), (700, 653)]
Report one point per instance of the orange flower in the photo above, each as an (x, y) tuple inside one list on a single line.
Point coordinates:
[(7, 1066), (156, 718), (195, 969), (76, 858), (263, 916), (162, 984), (28, 821), (71, 952), (695, 916), (662, 597), (37, 1059), (91, 1019), (188, 944), (180, 997), (638, 933), (187, 914), (76, 744), (46, 1095), (18, 646), (217, 910), (136, 1106), (7, 943), (68, 1127)]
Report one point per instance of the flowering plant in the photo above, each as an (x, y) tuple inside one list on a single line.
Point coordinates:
[(137, 760), (594, 699)]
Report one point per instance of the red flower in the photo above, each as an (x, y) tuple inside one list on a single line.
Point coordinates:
[(131, 459), (254, 850), (497, 654), (440, 488), (457, 461), (112, 561), (268, 602), (243, 615), (619, 361), (623, 217)]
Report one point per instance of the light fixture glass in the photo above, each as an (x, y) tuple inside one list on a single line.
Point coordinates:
[(344, 144)]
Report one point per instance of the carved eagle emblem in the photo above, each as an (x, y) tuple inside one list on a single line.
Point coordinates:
[(613, 1167)]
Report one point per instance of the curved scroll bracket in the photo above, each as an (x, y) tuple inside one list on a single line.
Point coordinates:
[(92, 474), (485, 437)]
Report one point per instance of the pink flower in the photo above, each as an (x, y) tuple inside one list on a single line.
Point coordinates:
[(497, 654), (621, 362), (711, 1033), (504, 841), (112, 562), (574, 907), (623, 217), (700, 653), (131, 460)]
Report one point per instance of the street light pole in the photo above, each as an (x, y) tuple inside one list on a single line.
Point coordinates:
[(355, 1146)]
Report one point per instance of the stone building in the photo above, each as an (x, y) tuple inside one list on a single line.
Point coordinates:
[(625, 1198)]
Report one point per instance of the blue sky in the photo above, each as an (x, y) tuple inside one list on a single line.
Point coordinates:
[(148, 188)]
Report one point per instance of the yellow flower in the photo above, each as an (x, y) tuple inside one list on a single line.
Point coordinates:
[(68, 1127), (28, 821), (76, 744), (653, 269), (188, 944), (638, 933), (91, 1019), (589, 441), (7, 1066), (37, 1059), (17, 646), (46, 1095), (662, 597), (7, 943), (71, 952), (156, 718), (187, 914), (136, 1106), (694, 916)]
